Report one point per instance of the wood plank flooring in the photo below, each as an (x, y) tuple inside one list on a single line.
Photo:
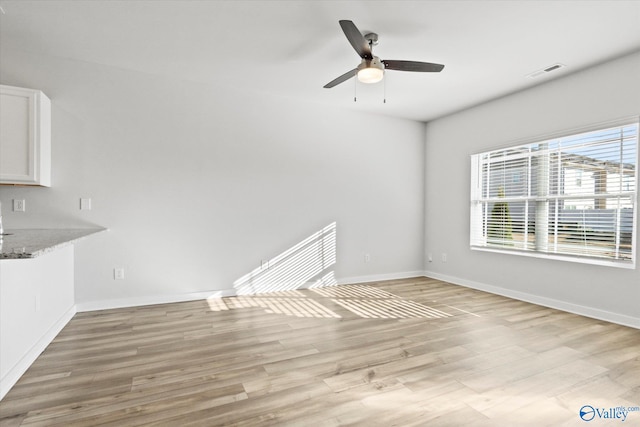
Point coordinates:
[(409, 352)]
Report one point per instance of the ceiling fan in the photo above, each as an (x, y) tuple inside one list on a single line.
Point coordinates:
[(371, 68)]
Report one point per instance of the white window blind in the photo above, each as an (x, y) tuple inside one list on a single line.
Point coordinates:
[(572, 196)]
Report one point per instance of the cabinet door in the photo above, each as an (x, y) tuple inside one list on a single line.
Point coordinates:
[(25, 137)]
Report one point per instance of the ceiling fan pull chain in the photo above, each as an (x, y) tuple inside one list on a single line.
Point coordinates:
[(384, 96), (355, 90)]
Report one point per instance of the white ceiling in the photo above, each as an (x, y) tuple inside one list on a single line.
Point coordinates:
[(293, 48)]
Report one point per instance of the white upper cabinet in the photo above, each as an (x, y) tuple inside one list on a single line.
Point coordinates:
[(25, 137)]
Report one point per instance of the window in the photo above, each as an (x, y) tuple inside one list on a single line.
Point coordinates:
[(571, 197)]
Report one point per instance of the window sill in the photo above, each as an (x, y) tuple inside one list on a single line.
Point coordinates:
[(582, 260)]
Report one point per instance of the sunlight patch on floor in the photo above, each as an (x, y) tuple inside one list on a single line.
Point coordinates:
[(353, 291), (283, 304), (362, 300), (390, 309)]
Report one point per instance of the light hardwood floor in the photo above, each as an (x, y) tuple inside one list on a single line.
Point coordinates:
[(398, 353)]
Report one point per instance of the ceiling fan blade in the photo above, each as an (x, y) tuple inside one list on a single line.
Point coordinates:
[(425, 67), (343, 78), (356, 39)]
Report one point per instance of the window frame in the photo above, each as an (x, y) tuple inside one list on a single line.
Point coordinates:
[(478, 218)]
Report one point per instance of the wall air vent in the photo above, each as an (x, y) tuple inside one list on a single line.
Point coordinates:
[(545, 71)]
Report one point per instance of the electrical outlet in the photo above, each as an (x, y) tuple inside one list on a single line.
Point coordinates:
[(367, 257), (444, 257), (118, 273), (85, 204), (19, 205)]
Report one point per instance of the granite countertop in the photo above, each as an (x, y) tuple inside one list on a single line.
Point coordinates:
[(31, 243)]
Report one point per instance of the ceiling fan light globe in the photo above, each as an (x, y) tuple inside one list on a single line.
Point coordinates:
[(370, 75), (370, 70)]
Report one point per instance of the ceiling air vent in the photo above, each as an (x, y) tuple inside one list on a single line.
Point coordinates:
[(549, 69)]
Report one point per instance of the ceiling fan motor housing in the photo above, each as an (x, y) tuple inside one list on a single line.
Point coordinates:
[(372, 38)]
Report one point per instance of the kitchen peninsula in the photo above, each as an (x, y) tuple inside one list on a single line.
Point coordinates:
[(36, 294)]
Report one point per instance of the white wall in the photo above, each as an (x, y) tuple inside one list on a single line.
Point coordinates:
[(197, 184), (606, 92)]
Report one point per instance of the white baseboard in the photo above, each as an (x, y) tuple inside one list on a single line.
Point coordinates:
[(14, 374), (595, 313), (166, 299)]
